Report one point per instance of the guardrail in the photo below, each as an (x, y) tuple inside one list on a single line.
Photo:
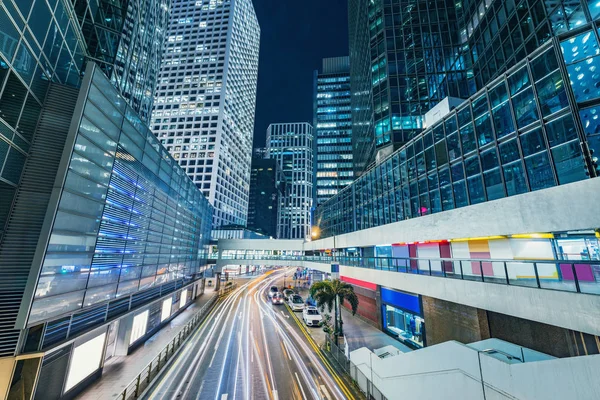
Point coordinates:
[(580, 276), (151, 371)]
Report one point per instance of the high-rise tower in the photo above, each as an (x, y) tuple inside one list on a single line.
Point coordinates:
[(333, 128), (206, 97), (291, 144)]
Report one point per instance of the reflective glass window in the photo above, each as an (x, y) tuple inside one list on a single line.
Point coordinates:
[(539, 171), (525, 108), (579, 47), (12, 100), (460, 194), (483, 128), (9, 37), (441, 155), (453, 146), (541, 66), (594, 7), (518, 81), (568, 162), (561, 130), (590, 118), (514, 178), (532, 142), (585, 78), (467, 138), (509, 151), (502, 117), (13, 166), (39, 21), (447, 199), (551, 93)]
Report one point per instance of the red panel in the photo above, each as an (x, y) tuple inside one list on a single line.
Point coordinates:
[(357, 282), (367, 308)]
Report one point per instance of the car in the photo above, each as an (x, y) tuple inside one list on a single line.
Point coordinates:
[(312, 316), (287, 293), (277, 298), (296, 303), (272, 291)]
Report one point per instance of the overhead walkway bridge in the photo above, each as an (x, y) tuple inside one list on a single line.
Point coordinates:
[(555, 292)]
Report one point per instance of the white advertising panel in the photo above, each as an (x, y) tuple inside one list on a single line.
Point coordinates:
[(85, 360)]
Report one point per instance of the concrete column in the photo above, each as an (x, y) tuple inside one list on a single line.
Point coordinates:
[(124, 335)]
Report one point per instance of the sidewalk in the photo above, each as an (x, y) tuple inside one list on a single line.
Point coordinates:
[(118, 372), (358, 333)]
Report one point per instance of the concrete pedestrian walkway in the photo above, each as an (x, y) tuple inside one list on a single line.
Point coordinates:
[(359, 334), (120, 371)]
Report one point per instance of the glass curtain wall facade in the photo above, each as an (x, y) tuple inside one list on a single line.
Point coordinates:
[(363, 136), (528, 130), (267, 186), (206, 96), (333, 128), (44, 44), (291, 145), (415, 62), (128, 218)]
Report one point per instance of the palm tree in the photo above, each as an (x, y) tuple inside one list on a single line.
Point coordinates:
[(332, 294)]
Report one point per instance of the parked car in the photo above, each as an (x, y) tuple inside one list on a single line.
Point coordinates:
[(272, 291), (296, 303), (287, 293), (277, 298), (312, 316)]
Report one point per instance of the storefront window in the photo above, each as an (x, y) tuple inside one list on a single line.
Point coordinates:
[(406, 326)]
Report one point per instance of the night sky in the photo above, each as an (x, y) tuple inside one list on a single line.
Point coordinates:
[(295, 36)]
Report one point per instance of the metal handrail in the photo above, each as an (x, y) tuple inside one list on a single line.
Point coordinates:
[(568, 275), (143, 380)]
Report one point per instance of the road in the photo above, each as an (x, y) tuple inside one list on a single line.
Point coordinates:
[(250, 349)]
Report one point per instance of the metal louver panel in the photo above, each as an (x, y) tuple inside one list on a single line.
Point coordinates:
[(20, 239)]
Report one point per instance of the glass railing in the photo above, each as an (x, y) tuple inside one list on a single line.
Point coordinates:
[(565, 275)]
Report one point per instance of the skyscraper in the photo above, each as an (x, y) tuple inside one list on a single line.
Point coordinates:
[(291, 145), (205, 101), (405, 57), (333, 128), (267, 186), (98, 223)]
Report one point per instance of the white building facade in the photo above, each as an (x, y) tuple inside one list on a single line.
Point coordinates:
[(291, 144), (206, 98)]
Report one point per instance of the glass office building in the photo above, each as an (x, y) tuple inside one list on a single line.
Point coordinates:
[(333, 128), (96, 220), (415, 60), (206, 98), (291, 145), (534, 127)]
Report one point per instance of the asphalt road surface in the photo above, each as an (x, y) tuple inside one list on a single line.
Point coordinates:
[(248, 348)]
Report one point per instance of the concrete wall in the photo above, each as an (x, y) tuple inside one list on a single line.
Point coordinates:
[(574, 311), (446, 321), (451, 371)]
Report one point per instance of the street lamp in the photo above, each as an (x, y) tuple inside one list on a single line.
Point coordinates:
[(315, 233)]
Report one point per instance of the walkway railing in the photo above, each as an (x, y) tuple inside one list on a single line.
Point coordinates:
[(362, 381), (565, 275), (151, 371)]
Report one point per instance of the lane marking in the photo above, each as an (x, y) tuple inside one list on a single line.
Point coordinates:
[(301, 388), (325, 392), (334, 374), (284, 351), (282, 313), (224, 396), (275, 395)]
